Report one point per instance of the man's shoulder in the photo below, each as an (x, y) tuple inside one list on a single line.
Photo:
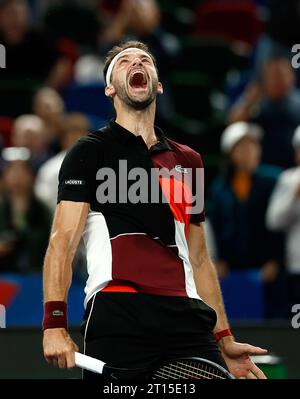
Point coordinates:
[(87, 150), (185, 151), (96, 138), (181, 147)]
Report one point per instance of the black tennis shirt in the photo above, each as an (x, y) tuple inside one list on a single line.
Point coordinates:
[(142, 243)]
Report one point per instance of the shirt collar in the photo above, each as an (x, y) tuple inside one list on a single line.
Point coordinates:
[(125, 136)]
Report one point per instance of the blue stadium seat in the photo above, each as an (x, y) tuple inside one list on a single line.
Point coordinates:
[(24, 303), (89, 99), (243, 295)]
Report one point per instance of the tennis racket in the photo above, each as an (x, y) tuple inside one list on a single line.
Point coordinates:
[(181, 368)]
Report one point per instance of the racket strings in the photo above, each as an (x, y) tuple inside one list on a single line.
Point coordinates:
[(188, 370)]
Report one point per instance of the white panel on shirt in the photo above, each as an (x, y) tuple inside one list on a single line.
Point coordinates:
[(183, 253), (99, 255)]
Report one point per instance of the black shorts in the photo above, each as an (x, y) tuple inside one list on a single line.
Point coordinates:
[(135, 330)]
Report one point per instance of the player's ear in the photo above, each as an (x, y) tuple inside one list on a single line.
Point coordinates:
[(109, 91), (160, 88)]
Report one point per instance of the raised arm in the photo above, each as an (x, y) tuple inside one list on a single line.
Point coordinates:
[(68, 225), (236, 355), (245, 107)]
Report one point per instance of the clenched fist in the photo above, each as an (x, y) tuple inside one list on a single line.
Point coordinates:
[(59, 348)]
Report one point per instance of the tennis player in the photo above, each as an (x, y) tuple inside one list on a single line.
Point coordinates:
[(152, 292)]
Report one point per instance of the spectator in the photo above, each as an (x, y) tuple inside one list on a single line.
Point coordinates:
[(274, 104), (49, 106), (281, 33), (24, 221), (32, 59), (284, 215), (75, 125), (29, 131), (237, 211), (140, 20), (122, 17)]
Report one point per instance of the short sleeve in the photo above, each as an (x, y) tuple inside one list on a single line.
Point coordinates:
[(77, 175), (198, 213)]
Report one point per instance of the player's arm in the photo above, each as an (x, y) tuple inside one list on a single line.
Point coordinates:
[(69, 221), (205, 275), (236, 355)]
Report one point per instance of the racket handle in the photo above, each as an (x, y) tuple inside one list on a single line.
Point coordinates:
[(89, 363)]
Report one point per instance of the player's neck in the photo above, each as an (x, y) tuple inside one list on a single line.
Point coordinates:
[(139, 122)]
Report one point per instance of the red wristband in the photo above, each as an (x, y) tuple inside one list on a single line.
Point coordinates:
[(221, 334), (55, 315)]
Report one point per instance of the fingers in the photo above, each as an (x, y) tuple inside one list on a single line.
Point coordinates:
[(51, 360), (250, 376), (253, 374), (238, 349), (70, 360), (255, 350), (62, 362), (259, 374), (59, 348)]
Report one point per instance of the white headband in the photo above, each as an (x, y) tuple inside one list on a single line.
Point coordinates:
[(114, 60)]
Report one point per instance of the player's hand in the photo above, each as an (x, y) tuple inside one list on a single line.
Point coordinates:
[(237, 358), (59, 348)]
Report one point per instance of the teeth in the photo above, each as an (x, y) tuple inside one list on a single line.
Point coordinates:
[(138, 71)]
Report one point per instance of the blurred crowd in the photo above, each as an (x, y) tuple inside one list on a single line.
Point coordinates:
[(231, 93)]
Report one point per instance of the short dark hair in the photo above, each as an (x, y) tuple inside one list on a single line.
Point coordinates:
[(123, 46)]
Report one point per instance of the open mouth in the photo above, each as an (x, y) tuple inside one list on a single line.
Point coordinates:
[(138, 80)]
